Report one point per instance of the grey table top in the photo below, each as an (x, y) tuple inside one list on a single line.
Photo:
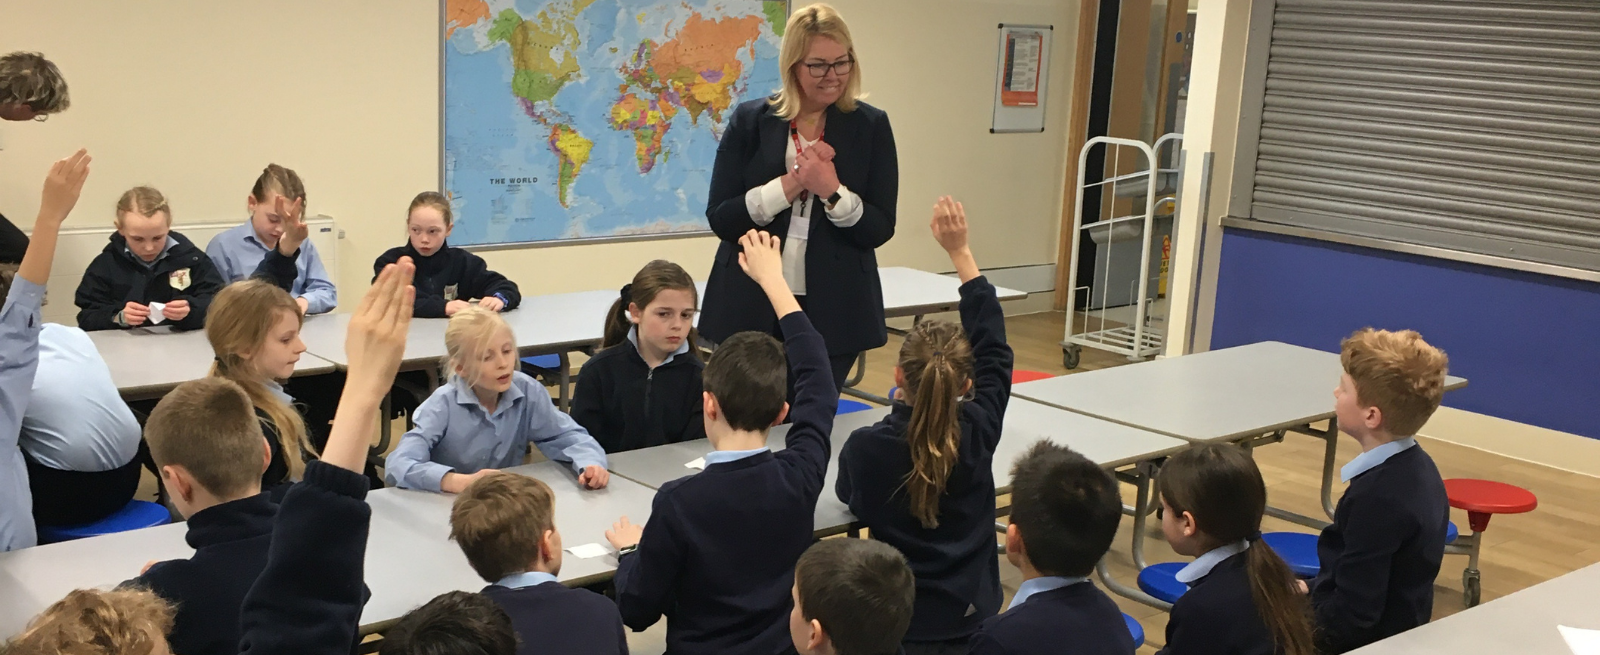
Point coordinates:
[(1217, 396), (150, 361), (324, 337), (1107, 444), (1523, 623), (409, 559)]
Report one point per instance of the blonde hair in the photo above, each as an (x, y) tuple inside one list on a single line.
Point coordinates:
[(804, 25), (27, 78), (937, 363), (277, 179), (238, 323), (209, 427), (435, 200), (145, 201), (94, 622), (466, 335), (499, 521), (1399, 373)]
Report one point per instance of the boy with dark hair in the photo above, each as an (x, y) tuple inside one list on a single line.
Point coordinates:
[(1383, 550), (851, 597), (505, 524), (1064, 514), (719, 552), (208, 447), (453, 623)]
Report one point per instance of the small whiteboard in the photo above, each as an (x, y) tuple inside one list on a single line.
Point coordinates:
[(1021, 78)]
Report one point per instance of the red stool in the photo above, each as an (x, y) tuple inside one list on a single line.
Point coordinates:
[(1482, 499), (1019, 376)]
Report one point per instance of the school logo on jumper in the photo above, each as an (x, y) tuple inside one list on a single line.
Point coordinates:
[(179, 279), (450, 292)]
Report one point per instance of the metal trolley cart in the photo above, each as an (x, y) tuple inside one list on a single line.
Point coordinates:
[(1126, 260)]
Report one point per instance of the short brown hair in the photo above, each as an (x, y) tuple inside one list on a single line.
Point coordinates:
[(1399, 373), (209, 427), (499, 521), (94, 622), (8, 273), (860, 590), (27, 78), (435, 200), (749, 376)]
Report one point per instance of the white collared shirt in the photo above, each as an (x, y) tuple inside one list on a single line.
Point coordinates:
[(1368, 460), (765, 202), (526, 579), (725, 456), (1042, 584), (1202, 565)]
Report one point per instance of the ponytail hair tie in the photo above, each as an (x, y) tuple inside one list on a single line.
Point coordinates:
[(627, 294), (1254, 536)]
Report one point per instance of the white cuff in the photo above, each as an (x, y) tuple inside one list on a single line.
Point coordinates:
[(766, 201), (848, 210)]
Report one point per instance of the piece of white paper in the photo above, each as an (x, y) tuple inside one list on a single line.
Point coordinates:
[(699, 464), (588, 551), (1581, 641), (156, 317)]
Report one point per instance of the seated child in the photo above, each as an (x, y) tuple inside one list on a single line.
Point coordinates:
[(238, 252), (1242, 598), (643, 389), (1382, 553), (453, 623), (80, 440), (146, 262), (448, 279), (505, 524), (851, 597), (1064, 514), (255, 332), (921, 478), (486, 417), (718, 553), (20, 325), (207, 443)]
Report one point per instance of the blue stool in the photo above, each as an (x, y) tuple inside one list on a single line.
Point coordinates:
[(1161, 581), (1134, 629), (1298, 550), (849, 406), (134, 515), (1450, 533), (547, 368)]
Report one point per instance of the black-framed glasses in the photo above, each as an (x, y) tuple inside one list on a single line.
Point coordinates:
[(840, 68)]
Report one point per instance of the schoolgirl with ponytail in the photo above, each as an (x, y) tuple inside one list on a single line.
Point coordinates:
[(920, 479), (1242, 598), (643, 388)]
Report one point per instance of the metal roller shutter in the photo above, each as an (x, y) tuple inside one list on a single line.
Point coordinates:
[(1471, 125)]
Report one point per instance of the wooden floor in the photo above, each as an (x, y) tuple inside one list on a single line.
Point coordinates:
[(1562, 535)]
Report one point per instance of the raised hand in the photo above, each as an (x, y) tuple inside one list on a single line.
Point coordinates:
[(295, 231), (62, 186), (374, 345), (762, 258), (949, 227)]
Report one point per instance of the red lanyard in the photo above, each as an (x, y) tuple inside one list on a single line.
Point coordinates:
[(794, 133)]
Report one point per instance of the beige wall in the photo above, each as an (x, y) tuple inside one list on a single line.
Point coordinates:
[(195, 97)]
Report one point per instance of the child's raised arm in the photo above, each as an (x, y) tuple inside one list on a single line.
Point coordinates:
[(375, 343), (762, 260), (981, 316)]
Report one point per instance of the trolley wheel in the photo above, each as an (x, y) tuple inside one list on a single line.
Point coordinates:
[(1070, 354), (1471, 588)]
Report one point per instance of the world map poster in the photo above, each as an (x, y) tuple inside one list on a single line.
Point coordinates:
[(582, 119)]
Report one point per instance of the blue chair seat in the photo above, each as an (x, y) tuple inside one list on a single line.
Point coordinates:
[(848, 406), (1134, 629), (1298, 550), (550, 362), (1450, 532), (1161, 581), (133, 516)]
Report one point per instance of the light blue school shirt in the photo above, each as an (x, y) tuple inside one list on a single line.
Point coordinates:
[(238, 252), (725, 456), (526, 579), (1042, 584), (1367, 460), (1202, 565), (19, 359), (76, 420), (165, 248), (454, 433)]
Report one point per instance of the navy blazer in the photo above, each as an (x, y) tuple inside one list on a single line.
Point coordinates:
[(1076, 619), (550, 618), (1219, 616), (843, 296)]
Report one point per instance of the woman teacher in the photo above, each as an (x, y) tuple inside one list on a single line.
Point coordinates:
[(816, 167)]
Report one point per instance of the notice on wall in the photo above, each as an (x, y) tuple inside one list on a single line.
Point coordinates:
[(1021, 78)]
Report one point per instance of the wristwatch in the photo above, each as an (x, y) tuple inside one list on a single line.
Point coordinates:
[(627, 550), (121, 320), (832, 200)]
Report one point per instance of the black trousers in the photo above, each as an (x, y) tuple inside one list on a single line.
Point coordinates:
[(841, 363), (75, 498)]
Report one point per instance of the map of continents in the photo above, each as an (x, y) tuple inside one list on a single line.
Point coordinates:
[(571, 119)]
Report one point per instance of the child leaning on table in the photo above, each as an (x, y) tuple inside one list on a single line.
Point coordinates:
[(448, 279), (487, 415)]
